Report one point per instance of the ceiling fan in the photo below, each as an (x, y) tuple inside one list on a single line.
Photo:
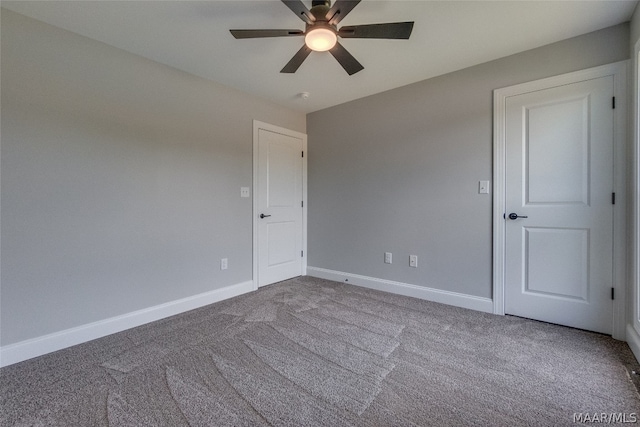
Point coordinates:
[(321, 32)]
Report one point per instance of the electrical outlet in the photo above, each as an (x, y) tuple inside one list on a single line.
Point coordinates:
[(244, 191), (483, 187), (388, 257), (224, 264), (413, 261)]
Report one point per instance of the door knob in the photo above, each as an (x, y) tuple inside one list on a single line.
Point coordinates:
[(264, 216), (514, 215)]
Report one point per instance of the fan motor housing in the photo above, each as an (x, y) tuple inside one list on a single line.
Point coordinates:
[(319, 10), (321, 24)]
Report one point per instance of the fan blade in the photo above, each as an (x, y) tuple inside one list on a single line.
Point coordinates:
[(252, 34), (300, 10), (348, 62), (394, 30), (339, 10), (297, 60)]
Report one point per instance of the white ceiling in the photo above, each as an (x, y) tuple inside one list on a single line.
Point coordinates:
[(448, 35)]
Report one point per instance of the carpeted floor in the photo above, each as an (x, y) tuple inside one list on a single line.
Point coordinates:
[(310, 352)]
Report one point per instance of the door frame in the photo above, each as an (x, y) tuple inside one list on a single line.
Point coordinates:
[(635, 198), (257, 125), (619, 72)]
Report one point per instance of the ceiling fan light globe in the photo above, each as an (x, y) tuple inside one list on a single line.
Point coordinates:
[(320, 39)]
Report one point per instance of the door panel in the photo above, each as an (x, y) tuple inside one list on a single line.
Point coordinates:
[(283, 162), (557, 262), (281, 243), (279, 201), (559, 180), (557, 152)]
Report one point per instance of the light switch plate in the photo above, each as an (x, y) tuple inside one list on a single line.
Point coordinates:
[(483, 187), (244, 191)]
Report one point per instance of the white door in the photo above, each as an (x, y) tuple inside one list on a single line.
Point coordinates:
[(279, 212), (559, 183)]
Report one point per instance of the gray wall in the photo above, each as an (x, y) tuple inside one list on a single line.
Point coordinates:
[(120, 181), (635, 28), (399, 171)]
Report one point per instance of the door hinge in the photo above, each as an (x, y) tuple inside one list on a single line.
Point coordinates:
[(613, 102), (302, 254), (613, 198), (302, 204), (613, 293), (303, 154)]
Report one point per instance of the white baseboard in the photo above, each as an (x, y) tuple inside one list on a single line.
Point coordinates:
[(633, 340), (34, 347), (406, 289)]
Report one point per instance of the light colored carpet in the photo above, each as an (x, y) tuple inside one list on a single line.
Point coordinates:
[(310, 352)]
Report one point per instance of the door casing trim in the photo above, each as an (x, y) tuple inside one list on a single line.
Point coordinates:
[(619, 72), (257, 125), (634, 191)]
